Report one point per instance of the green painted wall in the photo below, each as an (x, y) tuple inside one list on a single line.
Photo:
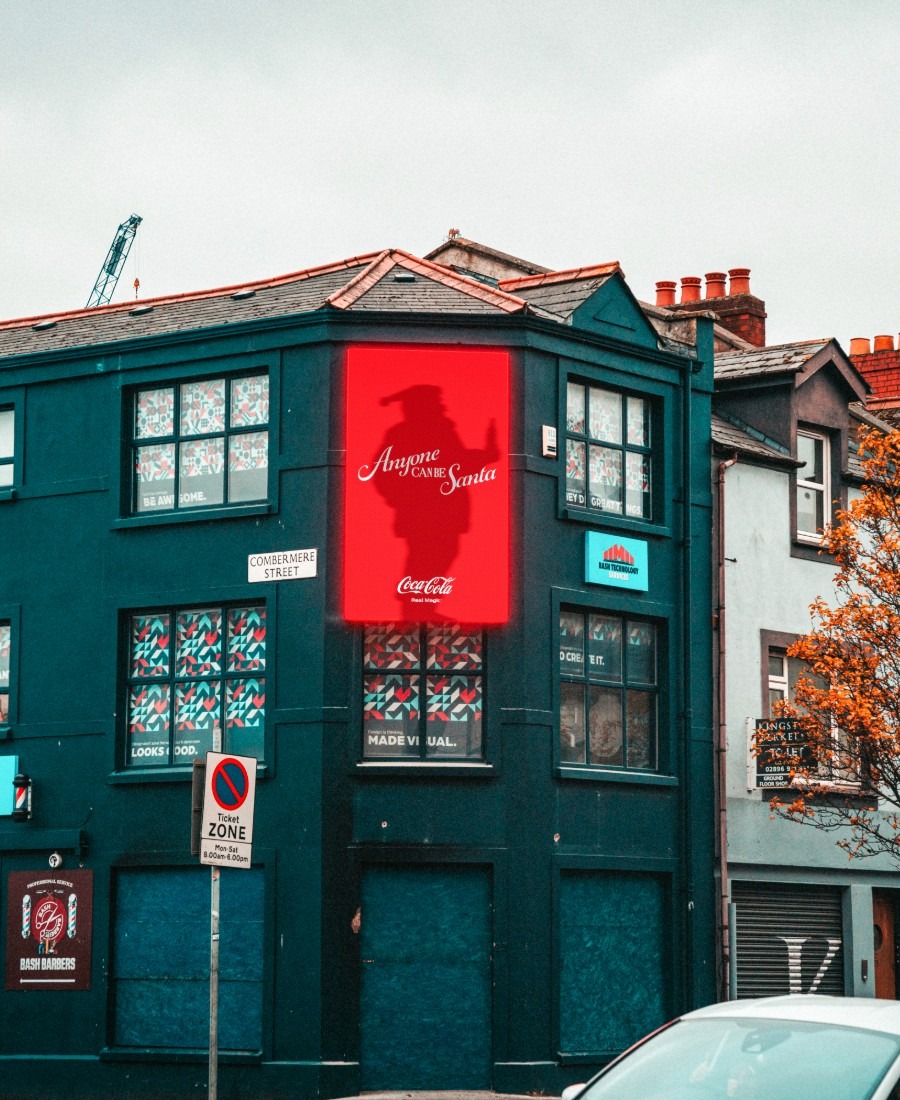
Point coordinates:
[(72, 563)]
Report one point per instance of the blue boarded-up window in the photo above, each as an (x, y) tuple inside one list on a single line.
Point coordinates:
[(614, 974), (161, 959)]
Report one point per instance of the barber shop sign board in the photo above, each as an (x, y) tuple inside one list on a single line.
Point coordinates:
[(48, 930), (426, 521)]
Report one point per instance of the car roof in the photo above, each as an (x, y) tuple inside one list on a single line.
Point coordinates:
[(864, 1012)]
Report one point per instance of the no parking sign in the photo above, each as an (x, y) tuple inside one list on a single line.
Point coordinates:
[(226, 838)]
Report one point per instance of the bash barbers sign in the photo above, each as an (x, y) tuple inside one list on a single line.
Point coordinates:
[(426, 531), (48, 930)]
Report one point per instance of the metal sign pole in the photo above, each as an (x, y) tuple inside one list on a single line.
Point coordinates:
[(213, 1091), (214, 987)]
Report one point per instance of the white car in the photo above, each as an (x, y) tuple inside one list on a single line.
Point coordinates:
[(800, 1047)]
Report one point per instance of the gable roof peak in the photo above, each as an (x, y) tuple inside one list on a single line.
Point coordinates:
[(391, 258)]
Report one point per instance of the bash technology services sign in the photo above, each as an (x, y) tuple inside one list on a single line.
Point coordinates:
[(426, 523), (613, 560)]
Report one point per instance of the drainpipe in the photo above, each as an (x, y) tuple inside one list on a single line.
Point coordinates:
[(687, 674), (721, 768)]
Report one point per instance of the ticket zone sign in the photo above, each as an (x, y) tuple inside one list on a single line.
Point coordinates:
[(226, 838), (426, 515)]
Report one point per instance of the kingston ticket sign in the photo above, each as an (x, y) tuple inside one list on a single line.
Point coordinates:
[(782, 737), (426, 515), (226, 838), (48, 930)]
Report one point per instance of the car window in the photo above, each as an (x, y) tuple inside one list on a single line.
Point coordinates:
[(751, 1059)]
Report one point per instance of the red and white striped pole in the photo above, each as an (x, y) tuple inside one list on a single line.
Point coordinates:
[(22, 797)]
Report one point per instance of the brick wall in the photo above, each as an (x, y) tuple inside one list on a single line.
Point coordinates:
[(881, 369)]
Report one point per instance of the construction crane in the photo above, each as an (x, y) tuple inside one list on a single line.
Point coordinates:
[(105, 286)]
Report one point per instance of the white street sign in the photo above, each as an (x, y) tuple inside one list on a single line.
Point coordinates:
[(229, 795), (282, 565)]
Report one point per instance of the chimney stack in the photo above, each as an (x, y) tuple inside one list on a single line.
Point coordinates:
[(736, 309), (878, 362)]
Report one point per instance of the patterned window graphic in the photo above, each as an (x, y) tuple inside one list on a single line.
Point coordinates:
[(607, 691), (422, 692), (190, 670), (201, 444), (5, 648), (608, 459), (7, 446)]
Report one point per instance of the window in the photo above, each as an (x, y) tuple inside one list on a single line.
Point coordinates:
[(7, 446), (188, 671), (608, 463), (5, 652), (160, 962), (783, 674), (185, 437), (607, 691), (423, 687), (813, 486)]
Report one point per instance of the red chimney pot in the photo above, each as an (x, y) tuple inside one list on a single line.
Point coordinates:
[(884, 343), (740, 280), (690, 288), (665, 292), (715, 284), (859, 345)]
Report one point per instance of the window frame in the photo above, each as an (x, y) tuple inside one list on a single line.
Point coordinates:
[(774, 646), (13, 403), (229, 373), (657, 773), (423, 762), (178, 765), (822, 488), (649, 451), (7, 690)]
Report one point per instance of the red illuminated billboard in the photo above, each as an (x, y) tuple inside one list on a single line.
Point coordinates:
[(426, 531)]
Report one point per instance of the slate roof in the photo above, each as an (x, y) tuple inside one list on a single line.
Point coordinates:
[(728, 435), (299, 292), (775, 359), (388, 281), (392, 280), (560, 292)]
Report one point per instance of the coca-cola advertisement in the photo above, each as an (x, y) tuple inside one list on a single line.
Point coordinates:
[(426, 534), (48, 930)]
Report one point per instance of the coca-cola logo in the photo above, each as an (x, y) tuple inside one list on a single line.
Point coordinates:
[(436, 586)]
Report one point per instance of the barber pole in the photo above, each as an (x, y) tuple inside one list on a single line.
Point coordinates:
[(22, 798)]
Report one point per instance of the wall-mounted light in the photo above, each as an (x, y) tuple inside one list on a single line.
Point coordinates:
[(21, 797)]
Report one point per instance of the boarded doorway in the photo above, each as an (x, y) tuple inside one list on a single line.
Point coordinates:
[(425, 997), (884, 909)]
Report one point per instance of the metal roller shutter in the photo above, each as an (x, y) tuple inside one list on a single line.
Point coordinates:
[(789, 939)]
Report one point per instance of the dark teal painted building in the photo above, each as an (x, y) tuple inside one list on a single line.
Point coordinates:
[(503, 896)]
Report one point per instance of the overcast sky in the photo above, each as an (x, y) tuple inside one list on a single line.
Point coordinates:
[(259, 138)]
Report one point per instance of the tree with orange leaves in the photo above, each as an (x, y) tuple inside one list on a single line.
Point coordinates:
[(848, 703)]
